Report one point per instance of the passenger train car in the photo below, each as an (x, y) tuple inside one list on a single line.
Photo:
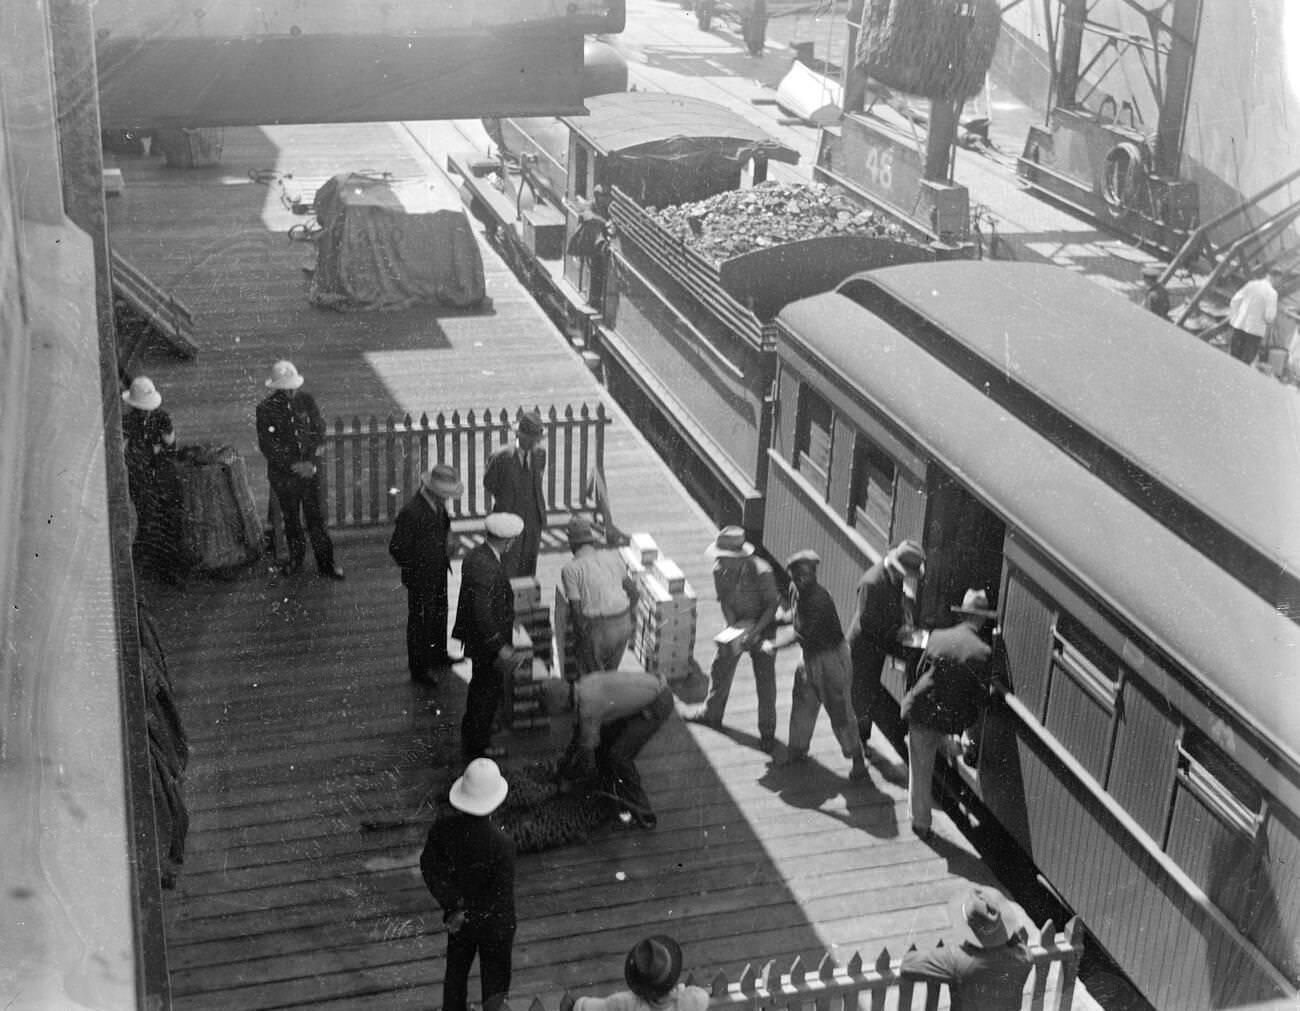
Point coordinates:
[(1131, 499)]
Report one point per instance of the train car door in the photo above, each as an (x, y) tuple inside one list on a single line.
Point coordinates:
[(963, 543)]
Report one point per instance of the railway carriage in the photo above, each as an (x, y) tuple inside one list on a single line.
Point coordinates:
[(1142, 751)]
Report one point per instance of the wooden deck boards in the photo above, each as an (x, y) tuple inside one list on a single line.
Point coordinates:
[(315, 760)]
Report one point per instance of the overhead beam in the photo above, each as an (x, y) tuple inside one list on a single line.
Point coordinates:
[(457, 74)]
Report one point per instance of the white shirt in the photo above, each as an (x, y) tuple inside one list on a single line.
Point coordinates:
[(1254, 307)]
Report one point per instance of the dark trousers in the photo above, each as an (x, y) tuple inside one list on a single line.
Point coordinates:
[(492, 945), (1244, 346), (486, 689), (521, 559), (299, 499), (426, 627), (622, 740), (867, 662)]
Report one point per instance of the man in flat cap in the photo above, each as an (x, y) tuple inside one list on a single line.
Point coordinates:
[(601, 593), (824, 679), (485, 623), (421, 547), (513, 482), (884, 625), (291, 434)]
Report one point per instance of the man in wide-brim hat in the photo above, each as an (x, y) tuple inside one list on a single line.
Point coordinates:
[(988, 969), (422, 548), (652, 970), (944, 695), (468, 864), (513, 482), (747, 593)]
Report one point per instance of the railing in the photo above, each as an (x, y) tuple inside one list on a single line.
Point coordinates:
[(370, 469), (1055, 960)]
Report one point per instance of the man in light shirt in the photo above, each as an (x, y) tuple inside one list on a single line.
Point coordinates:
[(1251, 312), (601, 593)]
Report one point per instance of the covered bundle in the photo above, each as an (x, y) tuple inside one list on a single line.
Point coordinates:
[(939, 49), (221, 526), (391, 244), (741, 221)]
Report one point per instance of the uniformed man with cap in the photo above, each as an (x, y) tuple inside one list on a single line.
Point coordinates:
[(421, 547), (291, 434), (485, 621), (825, 677), (513, 482), (884, 624)]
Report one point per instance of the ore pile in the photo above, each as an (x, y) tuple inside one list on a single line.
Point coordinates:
[(770, 214)]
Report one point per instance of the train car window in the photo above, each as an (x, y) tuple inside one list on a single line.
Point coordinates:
[(1207, 769), (1081, 695), (812, 437), (1215, 827), (871, 492), (580, 170)]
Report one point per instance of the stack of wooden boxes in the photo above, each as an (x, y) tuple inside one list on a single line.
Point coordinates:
[(566, 643), (532, 643), (663, 636)]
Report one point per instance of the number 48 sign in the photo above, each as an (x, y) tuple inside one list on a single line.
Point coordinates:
[(880, 167)]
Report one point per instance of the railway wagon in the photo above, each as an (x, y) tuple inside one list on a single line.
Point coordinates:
[(1141, 748), (684, 339)]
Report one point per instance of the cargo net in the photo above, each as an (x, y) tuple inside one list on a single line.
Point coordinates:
[(939, 49), (769, 214)]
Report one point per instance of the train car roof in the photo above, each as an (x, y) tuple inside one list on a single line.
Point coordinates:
[(1135, 382), (632, 119), (1240, 647)]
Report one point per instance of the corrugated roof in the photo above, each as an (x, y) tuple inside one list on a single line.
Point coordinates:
[(631, 119), (1207, 621), (1220, 435)]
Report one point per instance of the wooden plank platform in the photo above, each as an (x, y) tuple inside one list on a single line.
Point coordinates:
[(316, 761)]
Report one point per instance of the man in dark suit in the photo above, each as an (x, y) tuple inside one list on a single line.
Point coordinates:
[(468, 864), (884, 624), (485, 622), (421, 547), (513, 481), (290, 434)]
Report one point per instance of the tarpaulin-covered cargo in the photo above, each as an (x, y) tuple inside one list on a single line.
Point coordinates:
[(389, 244)]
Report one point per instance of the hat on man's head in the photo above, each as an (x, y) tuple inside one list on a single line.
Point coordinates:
[(530, 423), (907, 555), (975, 603), (580, 531), (730, 543), (653, 966), (503, 526), (284, 376), (443, 481), (1154, 270), (986, 917), (480, 789), (806, 557), (143, 395)]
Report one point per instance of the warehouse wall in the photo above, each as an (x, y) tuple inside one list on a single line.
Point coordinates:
[(66, 917)]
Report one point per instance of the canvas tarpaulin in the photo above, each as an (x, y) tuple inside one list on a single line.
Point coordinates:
[(389, 244)]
